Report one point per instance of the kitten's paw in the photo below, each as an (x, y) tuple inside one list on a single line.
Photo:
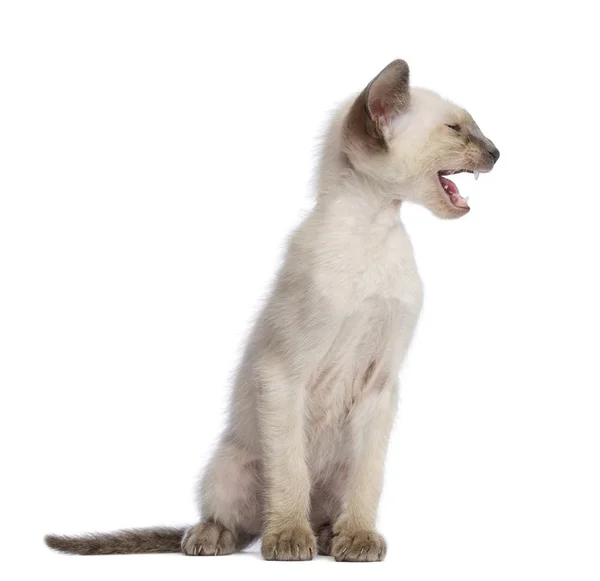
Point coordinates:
[(293, 544), (324, 539), (358, 546), (210, 538)]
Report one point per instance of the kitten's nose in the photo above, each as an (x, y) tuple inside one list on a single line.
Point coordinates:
[(494, 153)]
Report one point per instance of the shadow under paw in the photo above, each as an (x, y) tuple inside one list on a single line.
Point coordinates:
[(358, 546)]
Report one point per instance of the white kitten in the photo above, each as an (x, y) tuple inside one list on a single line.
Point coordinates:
[(301, 459)]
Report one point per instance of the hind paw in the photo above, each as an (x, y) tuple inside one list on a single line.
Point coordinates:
[(210, 538), (324, 536)]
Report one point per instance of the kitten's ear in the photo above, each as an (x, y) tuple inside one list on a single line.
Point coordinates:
[(386, 96)]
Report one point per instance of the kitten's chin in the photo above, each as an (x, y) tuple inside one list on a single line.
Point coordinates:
[(452, 214), (446, 212), (441, 207), (440, 203)]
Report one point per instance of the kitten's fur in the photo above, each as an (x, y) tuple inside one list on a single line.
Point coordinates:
[(301, 459)]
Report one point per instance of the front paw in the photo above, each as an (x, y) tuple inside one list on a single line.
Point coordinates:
[(293, 544), (358, 546)]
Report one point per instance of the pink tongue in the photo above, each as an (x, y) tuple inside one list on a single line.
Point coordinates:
[(449, 185)]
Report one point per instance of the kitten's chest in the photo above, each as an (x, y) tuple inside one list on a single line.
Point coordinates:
[(391, 275), (379, 296), (376, 268)]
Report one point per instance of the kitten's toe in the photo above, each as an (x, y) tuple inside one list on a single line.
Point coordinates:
[(206, 539), (365, 546), (293, 544)]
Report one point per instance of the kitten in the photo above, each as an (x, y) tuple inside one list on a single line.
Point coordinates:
[(300, 461)]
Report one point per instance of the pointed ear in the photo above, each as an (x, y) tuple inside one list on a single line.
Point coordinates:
[(372, 115), (386, 96)]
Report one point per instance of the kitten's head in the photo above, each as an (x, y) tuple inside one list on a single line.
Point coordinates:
[(410, 139)]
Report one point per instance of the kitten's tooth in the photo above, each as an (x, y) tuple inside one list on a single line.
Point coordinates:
[(475, 174)]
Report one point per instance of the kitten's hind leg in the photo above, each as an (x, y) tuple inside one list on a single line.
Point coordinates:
[(326, 505), (230, 503), (324, 534)]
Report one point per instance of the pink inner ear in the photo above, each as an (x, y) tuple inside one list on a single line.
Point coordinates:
[(383, 111), (378, 108)]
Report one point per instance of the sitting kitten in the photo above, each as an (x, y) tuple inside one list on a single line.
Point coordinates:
[(300, 462)]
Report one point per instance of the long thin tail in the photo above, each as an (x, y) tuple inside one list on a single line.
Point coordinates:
[(124, 542)]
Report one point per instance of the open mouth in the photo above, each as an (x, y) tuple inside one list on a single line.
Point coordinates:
[(452, 190)]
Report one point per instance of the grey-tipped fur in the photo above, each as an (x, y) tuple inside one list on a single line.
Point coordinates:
[(124, 542)]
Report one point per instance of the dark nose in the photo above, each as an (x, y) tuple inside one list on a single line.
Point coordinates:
[(494, 153)]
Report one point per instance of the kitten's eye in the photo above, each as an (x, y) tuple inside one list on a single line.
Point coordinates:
[(454, 127)]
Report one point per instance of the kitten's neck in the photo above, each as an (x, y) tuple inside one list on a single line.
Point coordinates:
[(359, 203)]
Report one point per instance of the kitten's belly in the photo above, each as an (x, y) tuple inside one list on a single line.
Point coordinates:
[(357, 367)]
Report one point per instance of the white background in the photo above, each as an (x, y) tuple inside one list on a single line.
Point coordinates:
[(154, 157)]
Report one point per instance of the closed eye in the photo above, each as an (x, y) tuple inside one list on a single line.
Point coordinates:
[(454, 127)]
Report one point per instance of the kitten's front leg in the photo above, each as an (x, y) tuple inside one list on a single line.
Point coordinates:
[(287, 534), (354, 534)]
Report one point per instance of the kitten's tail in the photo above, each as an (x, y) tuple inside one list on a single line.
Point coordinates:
[(124, 542)]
